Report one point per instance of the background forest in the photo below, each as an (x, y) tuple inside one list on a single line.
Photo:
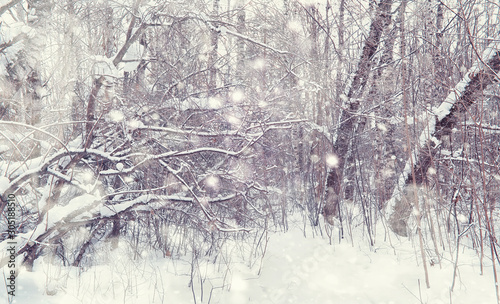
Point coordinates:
[(175, 127)]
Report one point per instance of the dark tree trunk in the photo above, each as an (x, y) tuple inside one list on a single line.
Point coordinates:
[(399, 209), (348, 117)]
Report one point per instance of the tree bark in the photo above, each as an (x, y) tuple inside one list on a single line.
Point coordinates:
[(399, 207), (98, 83), (240, 44), (212, 59), (339, 88), (375, 95), (352, 104)]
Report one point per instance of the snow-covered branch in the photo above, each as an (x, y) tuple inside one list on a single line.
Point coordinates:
[(14, 40), (265, 127), (8, 6), (14, 123), (44, 165), (462, 96), (224, 30)]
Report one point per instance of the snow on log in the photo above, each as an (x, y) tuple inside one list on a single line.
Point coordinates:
[(480, 75)]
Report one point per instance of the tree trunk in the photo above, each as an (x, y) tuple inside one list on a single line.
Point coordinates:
[(98, 83), (339, 88), (240, 44), (371, 98), (212, 58), (352, 104), (481, 75)]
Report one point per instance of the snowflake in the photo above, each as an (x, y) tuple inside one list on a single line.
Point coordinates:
[(237, 96), (332, 161), (212, 181), (116, 116)]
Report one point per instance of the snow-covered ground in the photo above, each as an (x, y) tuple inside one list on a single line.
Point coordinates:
[(295, 269)]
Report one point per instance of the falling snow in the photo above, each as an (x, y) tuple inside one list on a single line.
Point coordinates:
[(166, 152), (332, 161)]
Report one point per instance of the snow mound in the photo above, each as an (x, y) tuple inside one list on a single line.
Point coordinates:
[(4, 183), (295, 269)]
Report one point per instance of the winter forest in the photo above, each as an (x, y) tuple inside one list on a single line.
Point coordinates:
[(249, 151)]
